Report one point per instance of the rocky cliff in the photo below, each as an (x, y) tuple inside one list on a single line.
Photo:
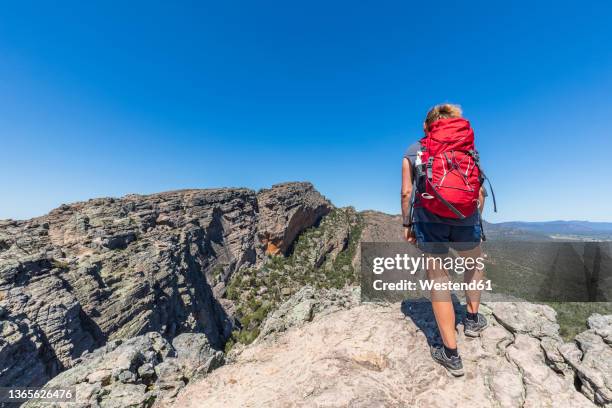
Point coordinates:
[(138, 301), (92, 272)]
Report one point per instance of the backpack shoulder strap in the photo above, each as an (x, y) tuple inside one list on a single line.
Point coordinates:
[(474, 155)]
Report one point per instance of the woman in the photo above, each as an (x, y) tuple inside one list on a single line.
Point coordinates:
[(442, 200)]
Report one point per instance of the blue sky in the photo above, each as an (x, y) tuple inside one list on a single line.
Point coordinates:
[(137, 97)]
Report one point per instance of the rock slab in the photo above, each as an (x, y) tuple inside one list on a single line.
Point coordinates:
[(378, 355)]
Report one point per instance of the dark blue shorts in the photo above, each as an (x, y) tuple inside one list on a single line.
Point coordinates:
[(436, 238)]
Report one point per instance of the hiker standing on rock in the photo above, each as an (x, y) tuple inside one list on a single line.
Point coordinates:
[(442, 201)]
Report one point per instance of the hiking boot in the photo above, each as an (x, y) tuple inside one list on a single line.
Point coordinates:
[(473, 328), (452, 364)]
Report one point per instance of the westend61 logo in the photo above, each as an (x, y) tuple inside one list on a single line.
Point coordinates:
[(533, 271)]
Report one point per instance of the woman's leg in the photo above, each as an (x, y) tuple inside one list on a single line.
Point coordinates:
[(442, 303), (467, 243), (474, 274)]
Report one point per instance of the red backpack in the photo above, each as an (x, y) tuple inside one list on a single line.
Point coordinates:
[(449, 176)]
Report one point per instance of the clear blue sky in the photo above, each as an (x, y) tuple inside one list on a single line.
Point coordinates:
[(140, 97)]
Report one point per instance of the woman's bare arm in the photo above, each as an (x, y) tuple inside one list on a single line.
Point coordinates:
[(406, 189), (481, 199), (406, 195)]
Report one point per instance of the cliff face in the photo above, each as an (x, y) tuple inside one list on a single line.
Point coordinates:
[(95, 271)]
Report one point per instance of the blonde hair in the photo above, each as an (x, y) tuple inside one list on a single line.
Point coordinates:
[(445, 110)]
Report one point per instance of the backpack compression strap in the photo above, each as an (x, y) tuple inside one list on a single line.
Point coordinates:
[(438, 195)]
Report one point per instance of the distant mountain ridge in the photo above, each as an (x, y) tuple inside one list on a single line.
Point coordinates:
[(579, 228)]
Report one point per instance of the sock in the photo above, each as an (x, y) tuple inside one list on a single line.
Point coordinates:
[(449, 352), (471, 316)]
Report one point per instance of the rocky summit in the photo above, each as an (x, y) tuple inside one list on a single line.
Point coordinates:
[(232, 297), (373, 355)]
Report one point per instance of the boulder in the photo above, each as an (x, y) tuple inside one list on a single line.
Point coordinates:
[(305, 304), (195, 354), (138, 371), (591, 358)]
